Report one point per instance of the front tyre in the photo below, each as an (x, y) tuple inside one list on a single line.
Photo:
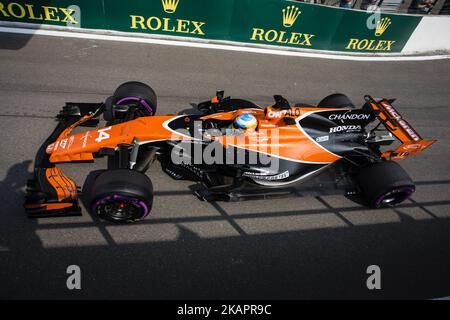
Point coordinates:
[(384, 184), (121, 196), (131, 100)]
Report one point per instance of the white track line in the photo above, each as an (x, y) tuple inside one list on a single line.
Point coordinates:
[(136, 39), (442, 298)]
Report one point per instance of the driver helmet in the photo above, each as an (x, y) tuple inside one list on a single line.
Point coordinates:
[(245, 121)]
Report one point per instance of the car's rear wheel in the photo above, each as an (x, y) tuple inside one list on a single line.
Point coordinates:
[(384, 184), (121, 196), (130, 100), (336, 100)]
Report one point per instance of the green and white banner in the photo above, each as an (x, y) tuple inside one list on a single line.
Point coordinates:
[(273, 22)]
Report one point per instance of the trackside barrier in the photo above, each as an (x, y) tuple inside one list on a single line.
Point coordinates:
[(272, 22)]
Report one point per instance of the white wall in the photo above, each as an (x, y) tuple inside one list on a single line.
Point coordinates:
[(432, 33)]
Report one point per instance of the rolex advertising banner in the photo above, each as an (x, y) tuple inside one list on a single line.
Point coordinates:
[(301, 25), (272, 22), (88, 14)]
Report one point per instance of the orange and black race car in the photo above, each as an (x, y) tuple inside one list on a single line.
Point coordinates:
[(231, 148)]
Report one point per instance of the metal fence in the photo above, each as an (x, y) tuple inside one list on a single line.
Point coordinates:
[(391, 6)]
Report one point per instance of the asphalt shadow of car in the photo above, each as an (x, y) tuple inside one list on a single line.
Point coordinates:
[(16, 224), (305, 264)]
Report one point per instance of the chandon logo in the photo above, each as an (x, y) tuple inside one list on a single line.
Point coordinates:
[(349, 116)]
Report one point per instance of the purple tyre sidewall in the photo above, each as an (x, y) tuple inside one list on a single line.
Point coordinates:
[(137, 202), (137, 99), (408, 191)]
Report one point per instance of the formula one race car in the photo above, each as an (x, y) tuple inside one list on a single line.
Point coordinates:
[(231, 148)]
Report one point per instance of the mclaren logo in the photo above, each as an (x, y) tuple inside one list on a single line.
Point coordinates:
[(382, 25), (290, 15), (170, 6), (393, 113)]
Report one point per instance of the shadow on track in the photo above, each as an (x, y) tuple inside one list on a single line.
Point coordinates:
[(317, 263)]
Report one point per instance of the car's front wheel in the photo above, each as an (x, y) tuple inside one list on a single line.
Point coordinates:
[(130, 100), (121, 195)]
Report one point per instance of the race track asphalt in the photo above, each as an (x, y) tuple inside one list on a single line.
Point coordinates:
[(310, 247)]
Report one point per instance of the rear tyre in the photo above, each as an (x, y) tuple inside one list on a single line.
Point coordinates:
[(121, 196), (138, 95), (336, 100), (384, 184)]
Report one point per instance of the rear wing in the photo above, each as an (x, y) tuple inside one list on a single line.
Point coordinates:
[(412, 142)]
